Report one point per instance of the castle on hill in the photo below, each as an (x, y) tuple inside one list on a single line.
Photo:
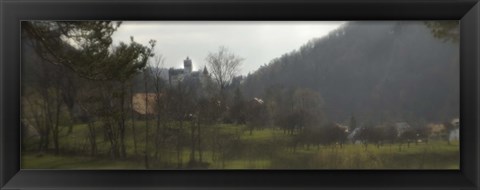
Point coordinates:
[(177, 76)]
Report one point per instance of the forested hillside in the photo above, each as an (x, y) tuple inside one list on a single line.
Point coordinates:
[(377, 71)]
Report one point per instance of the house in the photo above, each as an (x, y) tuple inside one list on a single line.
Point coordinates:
[(454, 134), (436, 130), (354, 135), (258, 100), (456, 122), (343, 127), (144, 103)]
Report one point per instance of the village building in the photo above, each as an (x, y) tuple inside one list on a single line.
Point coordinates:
[(455, 133), (144, 103)]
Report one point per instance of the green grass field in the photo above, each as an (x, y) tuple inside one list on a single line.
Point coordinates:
[(264, 149)]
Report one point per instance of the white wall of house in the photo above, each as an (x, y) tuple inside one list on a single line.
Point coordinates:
[(454, 135)]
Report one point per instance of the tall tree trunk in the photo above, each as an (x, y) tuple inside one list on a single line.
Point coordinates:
[(112, 137), (56, 130), (200, 150), (122, 122), (48, 121), (146, 124), (92, 139), (158, 103), (192, 142), (133, 122), (158, 133), (56, 127), (179, 145), (157, 136)]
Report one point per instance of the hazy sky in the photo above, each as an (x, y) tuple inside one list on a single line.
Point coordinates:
[(257, 42)]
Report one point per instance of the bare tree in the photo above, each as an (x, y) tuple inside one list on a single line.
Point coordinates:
[(223, 66), (132, 111), (158, 84), (146, 151)]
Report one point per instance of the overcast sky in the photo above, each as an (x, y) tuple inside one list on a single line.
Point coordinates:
[(257, 42)]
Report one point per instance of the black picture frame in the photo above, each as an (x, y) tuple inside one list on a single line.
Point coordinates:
[(13, 11)]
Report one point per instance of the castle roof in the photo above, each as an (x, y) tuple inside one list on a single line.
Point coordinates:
[(205, 71)]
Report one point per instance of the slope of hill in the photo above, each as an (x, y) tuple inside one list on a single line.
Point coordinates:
[(386, 71)]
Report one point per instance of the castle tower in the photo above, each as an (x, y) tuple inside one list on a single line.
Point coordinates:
[(187, 65), (205, 71)]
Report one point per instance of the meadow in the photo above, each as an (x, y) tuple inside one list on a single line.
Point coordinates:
[(238, 149)]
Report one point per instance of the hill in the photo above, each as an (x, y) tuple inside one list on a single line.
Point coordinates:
[(383, 71)]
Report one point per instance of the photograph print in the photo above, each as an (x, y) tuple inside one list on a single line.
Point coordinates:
[(222, 95)]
